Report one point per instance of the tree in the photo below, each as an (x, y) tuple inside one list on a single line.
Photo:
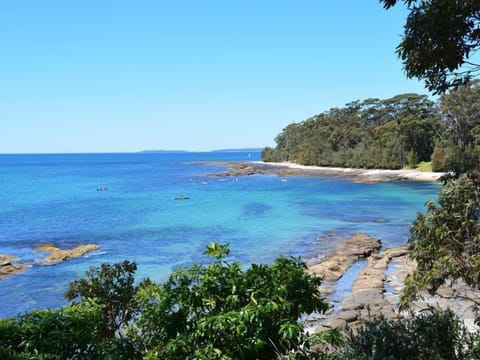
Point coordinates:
[(373, 133), (112, 289), (214, 310), (439, 41), (461, 113), (67, 333), (445, 242), (461, 118), (435, 334), (218, 310)]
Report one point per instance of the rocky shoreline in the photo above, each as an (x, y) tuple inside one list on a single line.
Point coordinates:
[(245, 168), (11, 265), (376, 288)]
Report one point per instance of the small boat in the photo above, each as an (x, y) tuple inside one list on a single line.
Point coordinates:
[(101, 188), (181, 197)]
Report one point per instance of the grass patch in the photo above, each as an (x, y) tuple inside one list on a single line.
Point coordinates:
[(424, 166)]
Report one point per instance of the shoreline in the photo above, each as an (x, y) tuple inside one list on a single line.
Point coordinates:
[(381, 174), (376, 285), (243, 168)]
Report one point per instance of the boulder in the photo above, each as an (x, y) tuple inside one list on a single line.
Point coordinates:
[(336, 324), (348, 316)]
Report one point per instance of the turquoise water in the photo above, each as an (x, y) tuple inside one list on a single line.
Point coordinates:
[(53, 199)]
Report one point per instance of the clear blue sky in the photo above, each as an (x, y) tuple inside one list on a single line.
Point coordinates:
[(107, 76)]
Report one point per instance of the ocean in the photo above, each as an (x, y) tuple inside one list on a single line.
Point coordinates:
[(53, 198)]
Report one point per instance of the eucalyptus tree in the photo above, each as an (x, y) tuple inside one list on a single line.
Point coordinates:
[(461, 120), (445, 241), (439, 41), (388, 133)]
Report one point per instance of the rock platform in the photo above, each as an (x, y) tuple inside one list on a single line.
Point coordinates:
[(376, 289), (11, 265)]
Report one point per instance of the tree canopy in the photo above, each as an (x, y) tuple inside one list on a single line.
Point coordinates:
[(373, 133), (215, 310), (445, 241), (439, 41)]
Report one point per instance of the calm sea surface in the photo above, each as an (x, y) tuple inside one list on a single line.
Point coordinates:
[(53, 199)]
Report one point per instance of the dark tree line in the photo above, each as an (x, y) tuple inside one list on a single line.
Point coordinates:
[(392, 133)]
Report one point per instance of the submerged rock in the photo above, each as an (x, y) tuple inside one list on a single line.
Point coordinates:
[(58, 255), (8, 265)]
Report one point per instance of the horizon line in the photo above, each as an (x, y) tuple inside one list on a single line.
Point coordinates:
[(135, 152)]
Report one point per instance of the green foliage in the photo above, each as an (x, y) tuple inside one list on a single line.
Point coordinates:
[(218, 310), (424, 166), (374, 133), (435, 334), (445, 241), (210, 311), (404, 130), (69, 332), (439, 40), (461, 123), (112, 289), (438, 158)]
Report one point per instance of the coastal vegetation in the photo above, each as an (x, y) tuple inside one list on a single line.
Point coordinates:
[(214, 310), (402, 131), (218, 310), (439, 42)]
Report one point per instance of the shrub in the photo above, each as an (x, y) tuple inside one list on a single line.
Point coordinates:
[(218, 310), (434, 334)]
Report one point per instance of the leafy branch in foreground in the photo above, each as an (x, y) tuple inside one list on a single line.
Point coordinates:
[(432, 334), (220, 309), (440, 41), (209, 311), (445, 241), (112, 289)]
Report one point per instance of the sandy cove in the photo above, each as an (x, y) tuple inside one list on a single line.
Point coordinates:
[(243, 168), (369, 174)]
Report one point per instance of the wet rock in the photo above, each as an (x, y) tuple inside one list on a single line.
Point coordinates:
[(333, 265), (8, 265), (369, 298), (58, 255), (332, 268), (396, 252), (369, 278), (348, 316), (336, 324), (6, 259), (327, 290), (361, 298)]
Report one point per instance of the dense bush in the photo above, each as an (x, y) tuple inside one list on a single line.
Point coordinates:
[(211, 311), (434, 334), (69, 332), (392, 133), (374, 133), (220, 311)]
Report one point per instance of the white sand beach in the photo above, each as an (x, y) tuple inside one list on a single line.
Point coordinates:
[(365, 174)]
